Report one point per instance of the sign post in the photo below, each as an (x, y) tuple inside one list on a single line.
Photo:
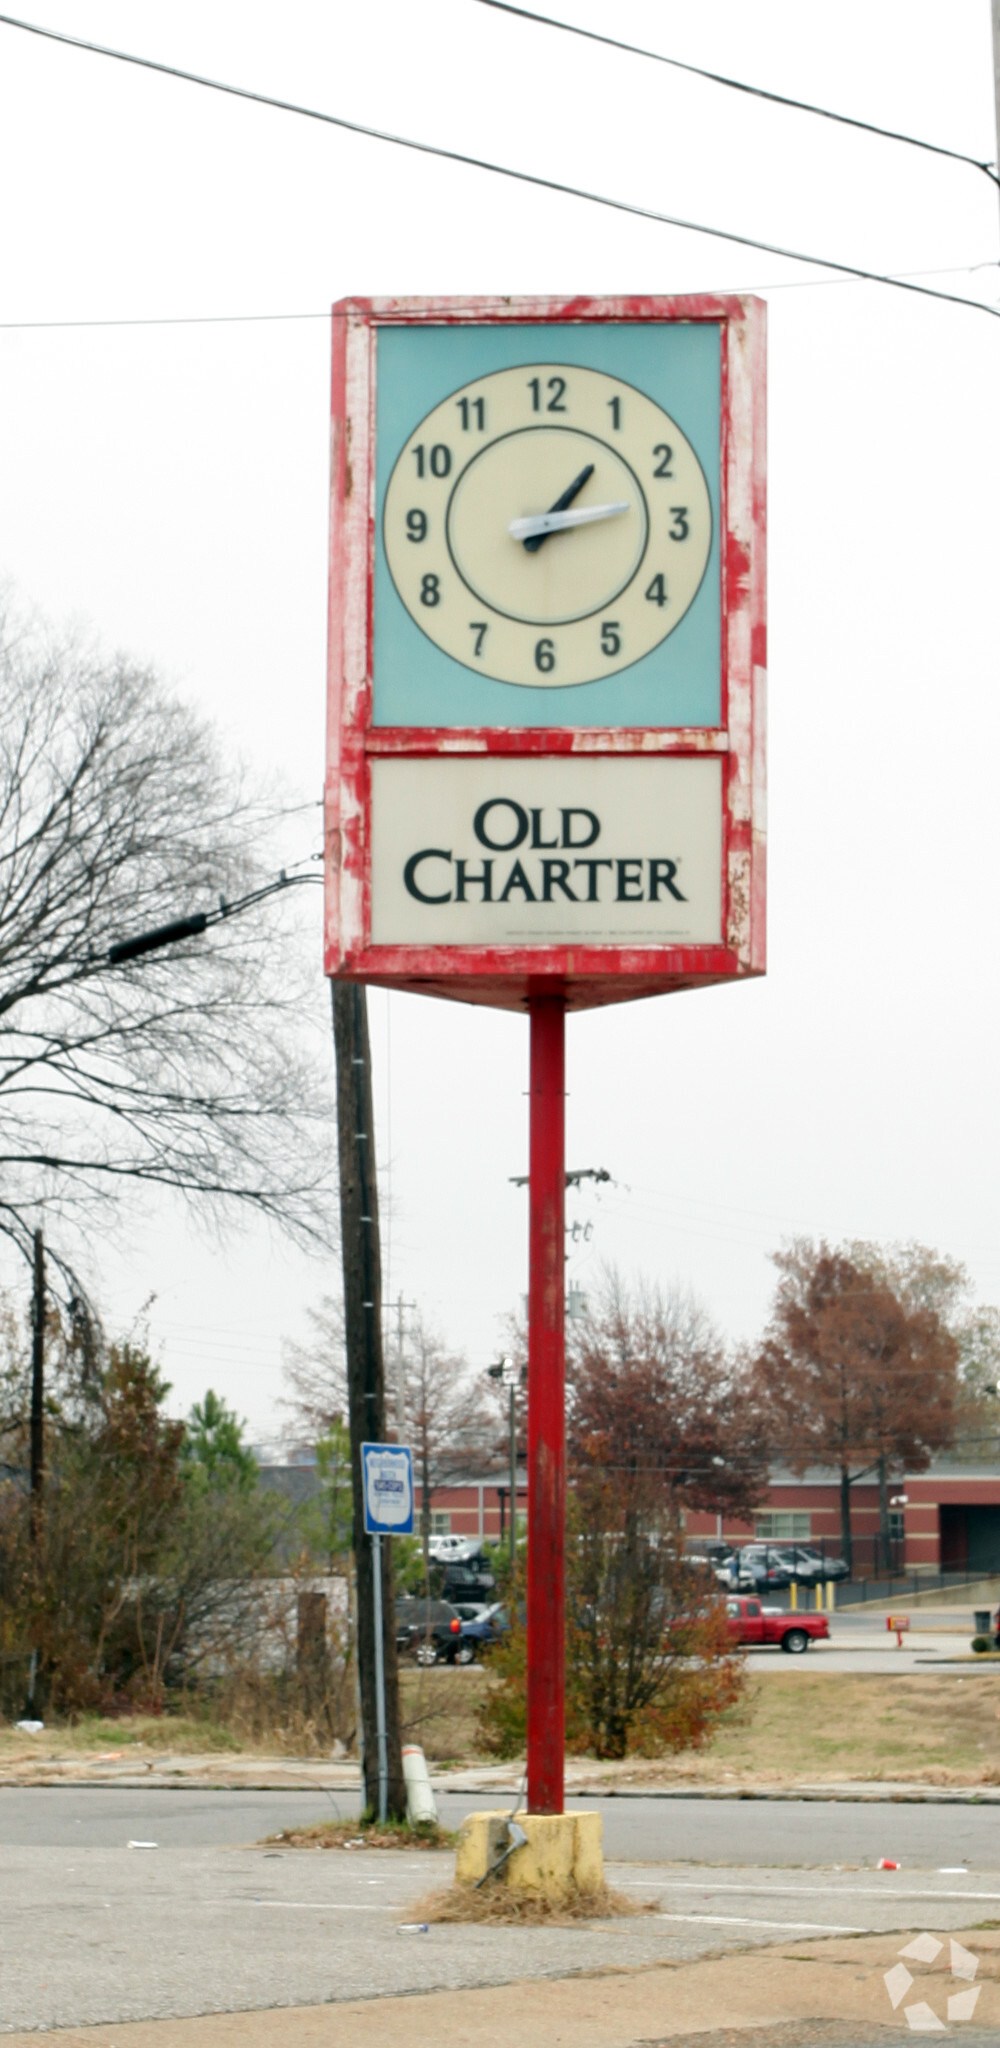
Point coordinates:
[(387, 1471), (546, 759)]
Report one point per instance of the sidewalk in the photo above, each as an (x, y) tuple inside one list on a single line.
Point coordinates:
[(830, 1986)]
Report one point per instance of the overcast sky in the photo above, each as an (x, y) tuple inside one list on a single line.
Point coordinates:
[(166, 483)]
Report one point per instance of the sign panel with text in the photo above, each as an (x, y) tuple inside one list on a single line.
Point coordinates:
[(546, 722)]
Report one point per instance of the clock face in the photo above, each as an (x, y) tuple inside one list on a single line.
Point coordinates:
[(601, 584)]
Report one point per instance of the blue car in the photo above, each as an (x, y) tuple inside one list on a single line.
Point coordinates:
[(487, 1627)]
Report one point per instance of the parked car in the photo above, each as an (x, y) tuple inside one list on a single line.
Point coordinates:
[(711, 1554), (442, 1549), (432, 1630), (488, 1627), (752, 1624), (769, 1566), (471, 1579)]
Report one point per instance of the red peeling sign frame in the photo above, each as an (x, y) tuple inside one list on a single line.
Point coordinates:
[(581, 976)]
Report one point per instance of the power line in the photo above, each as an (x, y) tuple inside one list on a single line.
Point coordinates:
[(499, 170), (759, 92), (795, 284)]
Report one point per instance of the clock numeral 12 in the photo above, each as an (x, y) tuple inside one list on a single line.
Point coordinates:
[(476, 405), (557, 386)]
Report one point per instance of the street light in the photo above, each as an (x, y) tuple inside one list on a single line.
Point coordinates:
[(507, 1372)]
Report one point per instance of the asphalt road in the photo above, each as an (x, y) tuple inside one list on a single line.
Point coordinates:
[(99, 1934), (790, 1833)]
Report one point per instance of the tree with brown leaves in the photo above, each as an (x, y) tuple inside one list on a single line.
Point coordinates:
[(858, 1367)]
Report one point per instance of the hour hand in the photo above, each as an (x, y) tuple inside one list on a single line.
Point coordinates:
[(534, 537), (533, 531)]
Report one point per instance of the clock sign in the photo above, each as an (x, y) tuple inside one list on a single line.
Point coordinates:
[(547, 646)]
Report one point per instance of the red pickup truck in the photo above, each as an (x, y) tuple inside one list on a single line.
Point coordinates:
[(750, 1623)]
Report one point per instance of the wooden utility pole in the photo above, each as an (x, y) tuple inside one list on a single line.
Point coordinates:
[(37, 1451), (365, 1373)]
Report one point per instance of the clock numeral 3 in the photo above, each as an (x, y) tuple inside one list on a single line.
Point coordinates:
[(430, 590), (557, 386), (611, 637), (666, 455), (680, 528), (657, 592), (545, 656), (479, 628), (416, 525)]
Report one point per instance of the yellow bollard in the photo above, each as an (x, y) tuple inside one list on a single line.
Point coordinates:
[(830, 1603), (819, 1598), (793, 1597)]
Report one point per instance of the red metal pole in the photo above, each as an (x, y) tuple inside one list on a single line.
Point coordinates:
[(546, 1406)]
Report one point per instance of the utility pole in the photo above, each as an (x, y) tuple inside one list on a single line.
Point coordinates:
[(507, 1372), (37, 1428), (365, 1381), (401, 1306)]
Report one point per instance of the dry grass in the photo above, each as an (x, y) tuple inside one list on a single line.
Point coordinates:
[(805, 1727), (117, 1736), (496, 1905), (796, 1727), (356, 1834), (439, 1708)]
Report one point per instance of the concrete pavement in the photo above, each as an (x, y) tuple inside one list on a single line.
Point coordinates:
[(926, 1829), (108, 1936)]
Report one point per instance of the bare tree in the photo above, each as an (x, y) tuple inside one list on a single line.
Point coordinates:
[(315, 1374), (451, 1420), (652, 1389), (448, 1418), (186, 1068)]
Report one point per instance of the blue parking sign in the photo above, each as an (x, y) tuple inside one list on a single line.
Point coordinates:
[(387, 1474)]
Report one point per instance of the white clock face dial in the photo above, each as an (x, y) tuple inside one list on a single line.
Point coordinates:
[(614, 573)]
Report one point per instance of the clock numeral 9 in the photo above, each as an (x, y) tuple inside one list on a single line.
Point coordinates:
[(666, 455), (440, 459), (545, 654), (430, 590), (657, 592), (611, 637), (416, 525), (680, 528), (557, 386)]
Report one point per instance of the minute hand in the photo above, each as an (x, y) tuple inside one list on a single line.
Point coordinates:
[(554, 522)]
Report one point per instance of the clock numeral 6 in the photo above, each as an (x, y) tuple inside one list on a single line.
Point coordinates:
[(416, 525), (545, 656), (430, 590), (611, 637), (657, 592)]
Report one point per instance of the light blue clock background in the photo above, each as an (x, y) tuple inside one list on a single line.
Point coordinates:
[(679, 683)]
